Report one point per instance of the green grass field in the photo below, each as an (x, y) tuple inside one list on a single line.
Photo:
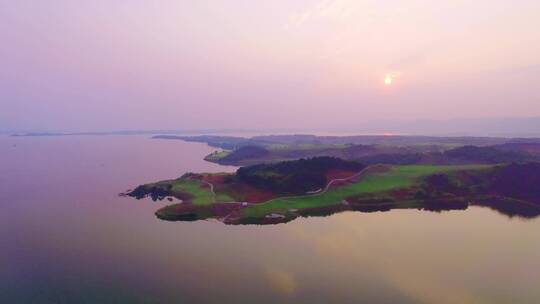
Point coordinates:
[(223, 197), (200, 192), (201, 195), (397, 177)]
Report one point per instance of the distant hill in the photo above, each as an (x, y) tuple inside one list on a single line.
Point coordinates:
[(532, 148), (368, 149), (245, 152), (460, 155), (301, 140), (507, 153), (488, 155)]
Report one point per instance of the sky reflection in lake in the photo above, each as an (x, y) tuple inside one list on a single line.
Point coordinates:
[(65, 236)]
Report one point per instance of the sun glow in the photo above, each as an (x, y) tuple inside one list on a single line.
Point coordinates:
[(388, 80)]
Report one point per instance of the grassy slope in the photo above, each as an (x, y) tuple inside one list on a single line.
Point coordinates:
[(397, 177), (224, 197), (200, 192), (201, 195)]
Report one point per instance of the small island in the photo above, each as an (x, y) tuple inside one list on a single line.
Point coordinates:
[(279, 192)]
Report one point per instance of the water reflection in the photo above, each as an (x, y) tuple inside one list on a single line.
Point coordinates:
[(231, 213), (66, 237)]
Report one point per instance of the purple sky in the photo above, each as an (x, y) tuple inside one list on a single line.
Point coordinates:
[(101, 64)]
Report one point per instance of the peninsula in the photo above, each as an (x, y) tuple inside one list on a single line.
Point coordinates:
[(283, 191)]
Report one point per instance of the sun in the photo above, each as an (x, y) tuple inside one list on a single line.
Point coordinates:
[(387, 80)]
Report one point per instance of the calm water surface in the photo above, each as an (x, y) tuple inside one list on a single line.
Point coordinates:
[(66, 237)]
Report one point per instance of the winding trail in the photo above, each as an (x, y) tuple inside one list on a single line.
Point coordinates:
[(323, 191), (211, 189), (328, 186)]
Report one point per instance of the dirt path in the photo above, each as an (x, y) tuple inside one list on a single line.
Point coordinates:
[(330, 183), (376, 168), (211, 189)]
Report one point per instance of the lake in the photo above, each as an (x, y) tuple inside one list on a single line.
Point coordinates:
[(67, 237)]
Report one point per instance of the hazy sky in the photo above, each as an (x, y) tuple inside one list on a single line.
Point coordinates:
[(134, 64)]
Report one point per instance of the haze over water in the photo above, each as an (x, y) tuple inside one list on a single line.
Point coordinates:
[(66, 236), (300, 64)]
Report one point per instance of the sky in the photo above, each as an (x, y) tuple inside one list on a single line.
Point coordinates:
[(109, 65)]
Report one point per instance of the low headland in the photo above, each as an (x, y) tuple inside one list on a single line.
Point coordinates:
[(279, 192)]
